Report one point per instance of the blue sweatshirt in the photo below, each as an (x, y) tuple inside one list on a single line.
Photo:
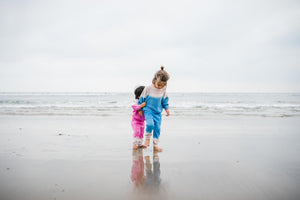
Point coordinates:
[(156, 99)]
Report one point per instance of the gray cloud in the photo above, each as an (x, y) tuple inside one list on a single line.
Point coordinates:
[(115, 45)]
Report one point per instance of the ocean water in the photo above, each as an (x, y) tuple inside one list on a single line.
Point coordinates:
[(181, 104)]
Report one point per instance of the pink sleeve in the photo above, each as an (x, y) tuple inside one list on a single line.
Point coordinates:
[(136, 107)]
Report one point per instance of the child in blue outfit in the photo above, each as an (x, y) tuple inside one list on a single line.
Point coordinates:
[(156, 100)]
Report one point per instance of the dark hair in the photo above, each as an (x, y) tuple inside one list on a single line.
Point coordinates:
[(161, 76), (138, 91)]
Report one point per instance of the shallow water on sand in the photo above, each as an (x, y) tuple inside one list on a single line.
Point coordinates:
[(91, 158)]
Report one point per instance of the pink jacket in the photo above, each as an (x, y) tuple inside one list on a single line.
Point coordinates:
[(136, 117)]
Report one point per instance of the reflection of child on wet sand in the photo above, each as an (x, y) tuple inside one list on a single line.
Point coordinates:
[(138, 118), (137, 170), (152, 177)]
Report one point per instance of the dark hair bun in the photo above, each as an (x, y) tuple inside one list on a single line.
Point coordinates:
[(162, 67), (138, 91)]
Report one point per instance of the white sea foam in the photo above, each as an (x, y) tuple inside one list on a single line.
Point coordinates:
[(181, 104)]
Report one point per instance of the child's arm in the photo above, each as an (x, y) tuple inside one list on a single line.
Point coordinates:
[(165, 103), (138, 107), (168, 112), (143, 96)]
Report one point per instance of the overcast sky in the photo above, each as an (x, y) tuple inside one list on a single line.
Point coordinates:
[(113, 46)]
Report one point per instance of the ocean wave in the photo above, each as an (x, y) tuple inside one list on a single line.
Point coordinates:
[(110, 104), (176, 111)]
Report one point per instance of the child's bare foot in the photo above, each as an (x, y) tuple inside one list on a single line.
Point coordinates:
[(142, 146), (157, 149), (147, 143), (135, 147)]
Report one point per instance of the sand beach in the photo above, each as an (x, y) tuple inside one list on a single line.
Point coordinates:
[(90, 157)]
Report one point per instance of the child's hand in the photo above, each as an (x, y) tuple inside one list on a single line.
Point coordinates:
[(168, 112), (142, 105), (141, 113)]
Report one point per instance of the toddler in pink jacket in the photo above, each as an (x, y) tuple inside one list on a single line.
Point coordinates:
[(138, 120)]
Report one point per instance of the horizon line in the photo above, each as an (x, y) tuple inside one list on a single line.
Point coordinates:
[(168, 92)]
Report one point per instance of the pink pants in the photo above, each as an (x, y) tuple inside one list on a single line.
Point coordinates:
[(138, 132)]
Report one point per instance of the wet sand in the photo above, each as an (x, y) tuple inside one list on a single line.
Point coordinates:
[(61, 157)]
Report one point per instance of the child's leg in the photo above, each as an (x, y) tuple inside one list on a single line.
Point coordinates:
[(135, 143), (136, 133), (149, 127), (141, 131), (141, 135), (156, 132)]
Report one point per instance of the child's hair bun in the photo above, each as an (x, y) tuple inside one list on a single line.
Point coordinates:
[(161, 76)]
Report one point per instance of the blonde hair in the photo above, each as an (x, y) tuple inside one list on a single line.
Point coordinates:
[(161, 76)]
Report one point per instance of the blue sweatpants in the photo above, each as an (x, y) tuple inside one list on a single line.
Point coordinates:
[(153, 122)]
